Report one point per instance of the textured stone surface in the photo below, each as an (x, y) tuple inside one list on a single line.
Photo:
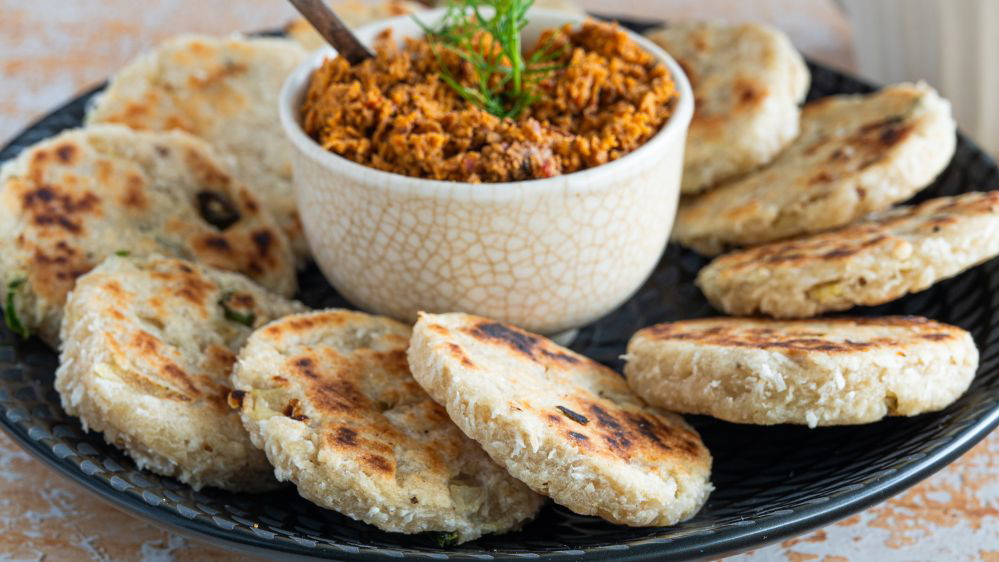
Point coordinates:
[(50, 49)]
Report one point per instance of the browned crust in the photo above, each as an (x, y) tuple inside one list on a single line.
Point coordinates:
[(62, 218), (139, 343), (828, 335), (348, 385), (584, 419), (524, 343), (841, 244)]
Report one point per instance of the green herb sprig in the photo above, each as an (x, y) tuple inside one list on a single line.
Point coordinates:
[(486, 34)]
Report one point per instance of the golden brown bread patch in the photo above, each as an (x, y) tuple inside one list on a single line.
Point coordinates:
[(870, 262), (69, 202), (855, 155), (332, 383), (535, 347), (747, 81), (887, 229), (330, 397), (566, 426), (148, 347), (224, 90), (828, 335), (818, 372), (602, 426)]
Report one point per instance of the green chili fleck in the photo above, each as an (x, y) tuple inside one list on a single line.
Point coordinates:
[(244, 318), (446, 539), (10, 310)]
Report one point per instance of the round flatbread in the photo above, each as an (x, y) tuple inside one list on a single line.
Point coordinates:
[(875, 261), (148, 345), (748, 81), (855, 154), (224, 90), (72, 200), (566, 426), (836, 371), (329, 397)]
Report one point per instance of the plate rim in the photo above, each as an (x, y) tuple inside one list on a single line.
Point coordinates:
[(799, 521), (756, 536)]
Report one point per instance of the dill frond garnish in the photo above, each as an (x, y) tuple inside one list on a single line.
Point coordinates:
[(485, 34)]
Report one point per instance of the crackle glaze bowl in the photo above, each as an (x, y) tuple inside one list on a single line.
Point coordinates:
[(548, 255)]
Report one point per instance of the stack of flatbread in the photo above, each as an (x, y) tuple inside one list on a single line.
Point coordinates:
[(809, 197), (224, 91)]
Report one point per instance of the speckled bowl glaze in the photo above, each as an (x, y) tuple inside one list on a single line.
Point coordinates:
[(548, 255)]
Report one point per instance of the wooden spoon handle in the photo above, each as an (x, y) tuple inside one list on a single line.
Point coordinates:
[(329, 25)]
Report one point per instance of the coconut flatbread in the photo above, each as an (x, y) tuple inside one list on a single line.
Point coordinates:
[(224, 90), (68, 202), (836, 371), (748, 81), (148, 347), (329, 397), (875, 261), (566, 426), (856, 154)]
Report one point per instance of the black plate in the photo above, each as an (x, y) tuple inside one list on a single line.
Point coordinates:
[(771, 482)]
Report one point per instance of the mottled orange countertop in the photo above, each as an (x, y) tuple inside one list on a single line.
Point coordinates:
[(51, 49)]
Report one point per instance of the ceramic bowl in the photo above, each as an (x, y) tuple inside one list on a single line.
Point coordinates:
[(548, 255)]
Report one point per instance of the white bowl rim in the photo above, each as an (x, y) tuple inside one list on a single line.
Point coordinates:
[(582, 180)]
